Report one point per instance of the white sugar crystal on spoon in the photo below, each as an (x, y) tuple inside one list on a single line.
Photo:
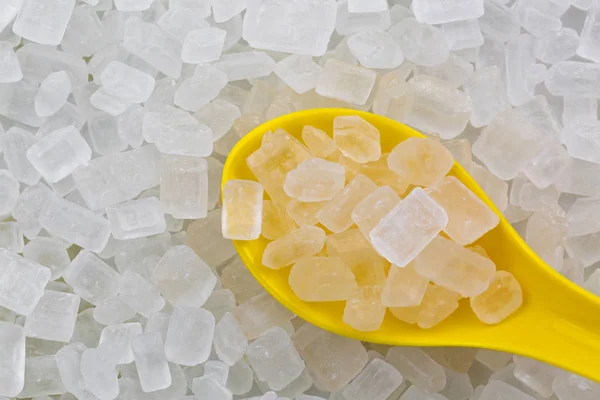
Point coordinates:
[(398, 237), (44, 23), (12, 352), (10, 71)]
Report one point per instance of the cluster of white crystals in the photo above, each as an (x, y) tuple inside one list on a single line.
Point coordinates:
[(116, 117)]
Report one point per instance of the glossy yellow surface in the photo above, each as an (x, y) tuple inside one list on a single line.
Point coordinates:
[(558, 323)]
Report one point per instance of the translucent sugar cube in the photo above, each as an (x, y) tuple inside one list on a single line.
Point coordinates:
[(545, 234), (303, 242), (557, 46), (198, 90), (9, 192), (275, 221), (463, 34), (299, 72), (42, 377), (508, 154), (153, 45), (53, 93), (432, 12), (183, 278), (318, 142), (345, 82), (217, 370), (136, 218), (454, 267), (361, 6), (304, 214), (356, 139), (315, 180), (579, 139), (44, 23), (371, 209), (10, 71), (420, 161), (139, 294), (242, 209), (348, 22), (219, 115), (116, 341), (519, 58), (488, 95), (76, 224), (302, 27), (54, 317), (394, 97), (469, 218), (567, 386), (456, 69), (224, 10), (11, 237), (275, 359), (421, 43), (364, 311), (178, 21), (377, 381), (184, 188), (68, 361), (12, 351), (403, 287), (99, 373), (16, 143), (112, 310), (230, 342), (260, 313), (267, 164), (127, 83), (9, 11), (28, 208), (418, 368), (352, 247), (322, 279), (59, 153), (220, 302), (132, 5), (236, 277), (247, 65), (582, 217), (561, 79), (535, 375), (23, 282), (499, 22), (336, 213), (402, 234), (91, 278), (537, 22), (497, 388), (190, 336), (375, 49), (203, 45), (205, 238), (151, 362), (438, 107)]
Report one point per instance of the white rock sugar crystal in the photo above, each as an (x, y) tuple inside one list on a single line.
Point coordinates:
[(12, 350), (44, 23)]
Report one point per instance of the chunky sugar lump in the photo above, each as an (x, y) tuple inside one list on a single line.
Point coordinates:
[(116, 118)]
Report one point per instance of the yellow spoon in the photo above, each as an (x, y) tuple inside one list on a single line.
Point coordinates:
[(558, 323)]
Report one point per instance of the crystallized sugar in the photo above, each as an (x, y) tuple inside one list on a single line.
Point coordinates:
[(118, 273)]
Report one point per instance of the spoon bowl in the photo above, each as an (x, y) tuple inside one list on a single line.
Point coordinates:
[(558, 322)]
